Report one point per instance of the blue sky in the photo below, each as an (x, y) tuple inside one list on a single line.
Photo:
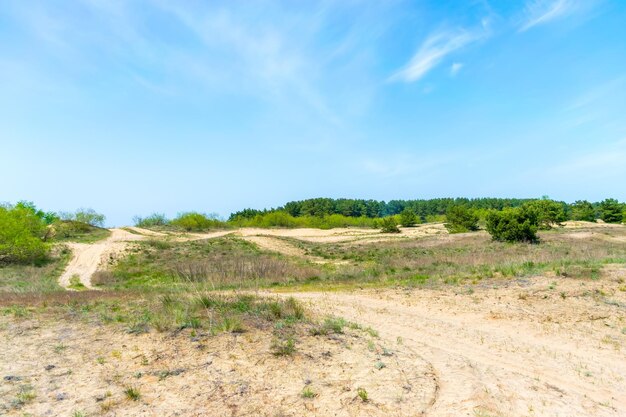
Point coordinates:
[(131, 107)]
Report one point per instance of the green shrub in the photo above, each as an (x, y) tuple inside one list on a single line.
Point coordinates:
[(408, 218), (513, 225), (389, 225), (84, 215), (611, 211), (279, 218), (461, 219), (193, 221), (436, 218), (22, 234), (155, 219), (547, 212), (583, 210)]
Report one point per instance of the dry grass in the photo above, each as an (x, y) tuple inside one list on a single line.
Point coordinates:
[(475, 256), (224, 262)]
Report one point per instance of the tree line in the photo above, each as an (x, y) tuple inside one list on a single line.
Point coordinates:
[(423, 209)]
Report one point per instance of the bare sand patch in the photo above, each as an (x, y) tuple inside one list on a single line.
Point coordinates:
[(73, 366), (541, 346)]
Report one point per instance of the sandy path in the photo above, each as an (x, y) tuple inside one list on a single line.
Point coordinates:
[(88, 257), (493, 367), (352, 234), (274, 244)]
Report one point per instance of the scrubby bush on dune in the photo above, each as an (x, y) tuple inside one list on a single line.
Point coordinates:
[(193, 221), (22, 234), (461, 219), (513, 225), (153, 220), (85, 215), (389, 225)]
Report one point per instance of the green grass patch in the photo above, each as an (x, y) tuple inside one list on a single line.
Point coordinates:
[(35, 278), (220, 263)]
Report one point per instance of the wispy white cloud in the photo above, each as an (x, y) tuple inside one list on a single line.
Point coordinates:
[(433, 51), (455, 68), (538, 12)]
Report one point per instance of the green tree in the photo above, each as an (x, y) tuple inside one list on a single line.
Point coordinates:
[(21, 235), (583, 210), (611, 211), (513, 225), (408, 218), (548, 212), (461, 219)]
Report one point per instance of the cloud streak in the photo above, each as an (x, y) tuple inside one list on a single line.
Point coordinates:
[(433, 51), (539, 12)]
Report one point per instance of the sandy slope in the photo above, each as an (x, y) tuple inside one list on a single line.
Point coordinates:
[(88, 257)]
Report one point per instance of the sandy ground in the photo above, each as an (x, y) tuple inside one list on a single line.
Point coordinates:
[(360, 235), (540, 347), (543, 346), (71, 367), (87, 258)]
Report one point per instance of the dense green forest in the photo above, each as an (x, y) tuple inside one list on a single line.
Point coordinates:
[(320, 207)]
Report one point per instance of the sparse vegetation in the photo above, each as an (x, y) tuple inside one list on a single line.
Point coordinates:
[(132, 393), (363, 395), (226, 262), (308, 392), (283, 346)]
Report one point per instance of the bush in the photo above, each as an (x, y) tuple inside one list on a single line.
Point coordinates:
[(583, 210), (389, 225), (153, 220), (611, 211), (547, 212), (22, 234), (87, 216), (70, 228), (193, 221), (513, 225), (408, 218), (461, 219)]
